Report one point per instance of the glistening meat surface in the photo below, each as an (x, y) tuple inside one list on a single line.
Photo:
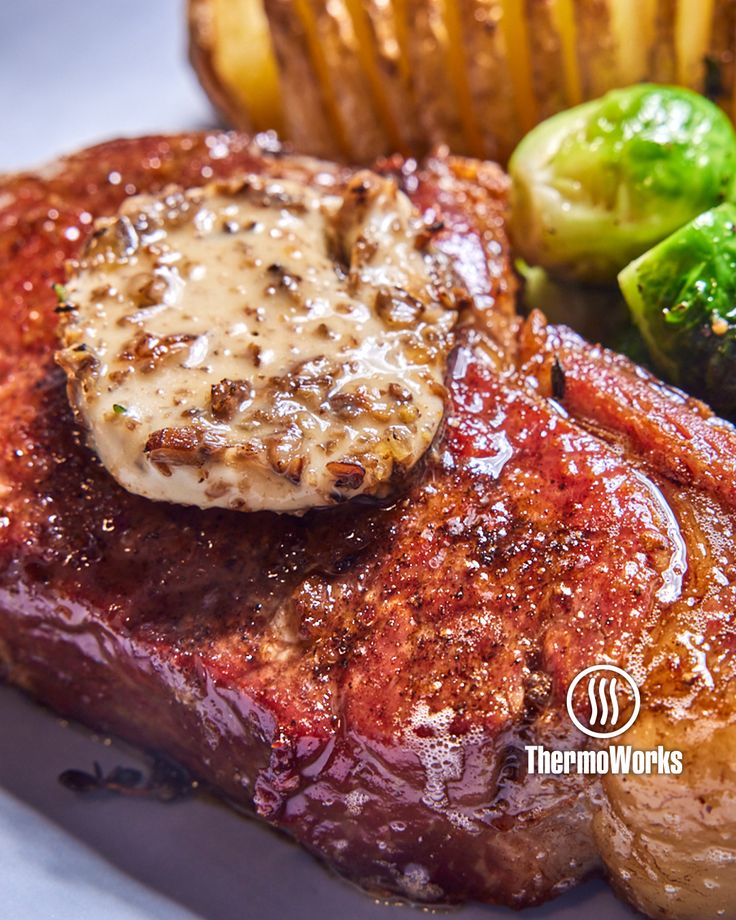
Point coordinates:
[(366, 678)]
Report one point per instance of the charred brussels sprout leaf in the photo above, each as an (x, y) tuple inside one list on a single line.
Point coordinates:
[(596, 186), (682, 296)]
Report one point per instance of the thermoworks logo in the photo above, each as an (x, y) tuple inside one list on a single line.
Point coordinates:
[(604, 683), (603, 702)]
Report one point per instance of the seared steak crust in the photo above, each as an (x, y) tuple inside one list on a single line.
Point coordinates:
[(366, 678)]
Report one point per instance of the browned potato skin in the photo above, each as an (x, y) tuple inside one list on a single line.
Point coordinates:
[(360, 124), (487, 57), (662, 59), (437, 108), (596, 46), (307, 121), (548, 67), (669, 842), (721, 56), (394, 75), (410, 47)]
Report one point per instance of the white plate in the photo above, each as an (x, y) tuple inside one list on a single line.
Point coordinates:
[(67, 857), (73, 73)]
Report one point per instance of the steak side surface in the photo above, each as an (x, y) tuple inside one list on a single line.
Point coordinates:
[(366, 678)]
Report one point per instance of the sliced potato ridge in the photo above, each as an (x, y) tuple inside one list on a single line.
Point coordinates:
[(361, 78), (243, 56), (428, 55), (491, 92), (346, 84), (692, 37), (458, 73), (303, 9), (596, 47), (562, 15), (633, 45), (401, 25), (662, 63), (371, 50), (514, 26), (720, 72), (307, 117), (547, 50)]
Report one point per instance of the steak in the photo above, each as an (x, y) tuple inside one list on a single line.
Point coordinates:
[(366, 678)]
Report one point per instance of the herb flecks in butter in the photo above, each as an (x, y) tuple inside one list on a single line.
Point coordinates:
[(270, 344)]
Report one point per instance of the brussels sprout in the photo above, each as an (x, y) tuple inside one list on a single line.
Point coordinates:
[(682, 296), (596, 186)]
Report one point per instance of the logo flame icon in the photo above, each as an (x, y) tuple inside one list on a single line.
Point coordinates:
[(604, 697), (604, 684)]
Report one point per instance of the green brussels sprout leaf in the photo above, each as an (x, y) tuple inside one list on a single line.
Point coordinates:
[(596, 186), (682, 296)]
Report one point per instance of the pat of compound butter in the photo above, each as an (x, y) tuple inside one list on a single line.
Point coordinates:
[(260, 344)]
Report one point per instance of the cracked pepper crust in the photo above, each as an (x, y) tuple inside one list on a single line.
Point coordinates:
[(366, 678)]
